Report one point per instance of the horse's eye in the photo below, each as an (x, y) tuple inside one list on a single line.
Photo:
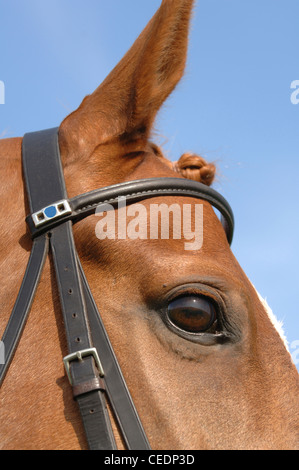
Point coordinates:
[(192, 313)]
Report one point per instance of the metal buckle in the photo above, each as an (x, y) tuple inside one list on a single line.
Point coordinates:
[(52, 212), (78, 355)]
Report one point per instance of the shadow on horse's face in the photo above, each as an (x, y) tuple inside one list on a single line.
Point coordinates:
[(202, 360)]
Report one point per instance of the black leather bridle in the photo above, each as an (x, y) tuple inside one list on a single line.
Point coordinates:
[(91, 364)]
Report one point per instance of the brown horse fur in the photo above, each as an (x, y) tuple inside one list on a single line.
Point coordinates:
[(239, 395)]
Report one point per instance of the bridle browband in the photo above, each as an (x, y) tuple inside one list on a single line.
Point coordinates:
[(91, 364)]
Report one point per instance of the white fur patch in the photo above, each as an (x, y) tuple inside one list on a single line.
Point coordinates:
[(278, 324)]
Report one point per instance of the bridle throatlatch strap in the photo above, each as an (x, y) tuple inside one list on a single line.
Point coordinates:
[(91, 365)]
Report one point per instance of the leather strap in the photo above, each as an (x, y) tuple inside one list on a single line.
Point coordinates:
[(92, 405), (119, 396), (44, 181), (42, 169), (139, 190), (24, 301)]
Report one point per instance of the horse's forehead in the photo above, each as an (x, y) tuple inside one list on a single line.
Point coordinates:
[(167, 227), (151, 263)]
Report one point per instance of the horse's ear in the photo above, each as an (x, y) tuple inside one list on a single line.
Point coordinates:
[(127, 102)]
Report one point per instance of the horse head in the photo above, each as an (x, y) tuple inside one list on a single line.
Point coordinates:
[(202, 358)]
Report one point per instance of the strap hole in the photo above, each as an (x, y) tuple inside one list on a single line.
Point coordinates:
[(91, 412), (70, 291), (75, 315), (78, 340)]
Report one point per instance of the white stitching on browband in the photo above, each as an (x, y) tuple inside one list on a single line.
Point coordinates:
[(140, 193)]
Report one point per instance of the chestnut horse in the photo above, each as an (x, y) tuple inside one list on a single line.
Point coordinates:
[(190, 393)]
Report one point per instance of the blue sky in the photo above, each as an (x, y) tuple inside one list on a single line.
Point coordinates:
[(233, 106)]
